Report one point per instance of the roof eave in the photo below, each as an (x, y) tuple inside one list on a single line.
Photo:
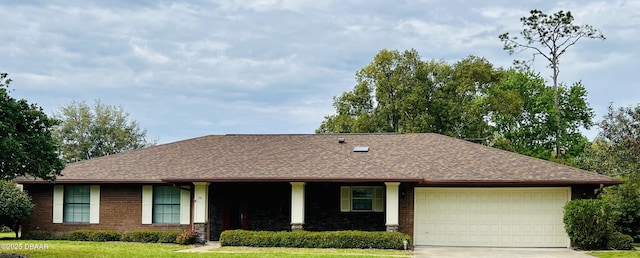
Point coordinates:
[(421, 181), (561, 182), (89, 181), (289, 179)]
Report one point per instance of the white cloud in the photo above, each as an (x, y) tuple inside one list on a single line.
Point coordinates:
[(273, 65), (149, 55)]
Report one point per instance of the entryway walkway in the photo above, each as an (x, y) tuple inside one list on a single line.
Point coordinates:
[(202, 248)]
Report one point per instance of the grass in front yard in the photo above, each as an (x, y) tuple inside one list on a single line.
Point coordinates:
[(7, 235), (122, 249), (89, 249), (616, 254)]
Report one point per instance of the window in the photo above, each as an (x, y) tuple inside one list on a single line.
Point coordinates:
[(77, 202), (361, 198), (166, 205)]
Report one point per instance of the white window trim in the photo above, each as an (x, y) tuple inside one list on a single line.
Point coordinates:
[(377, 200), (58, 204), (94, 205), (185, 206), (147, 205)]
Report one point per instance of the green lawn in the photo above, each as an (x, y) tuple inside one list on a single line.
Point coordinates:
[(616, 254), (123, 249), (5, 235)]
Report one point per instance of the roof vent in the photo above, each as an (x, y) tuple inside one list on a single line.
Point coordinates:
[(340, 140), (361, 149)]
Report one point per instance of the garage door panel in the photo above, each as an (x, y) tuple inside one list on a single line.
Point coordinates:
[(505, 217)]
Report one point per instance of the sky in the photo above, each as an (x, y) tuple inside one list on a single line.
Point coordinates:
[(184, 69)]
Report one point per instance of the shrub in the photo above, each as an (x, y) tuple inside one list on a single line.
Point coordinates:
[(619, 241), (78, 235), (104, 235), (151, 236), (169, 236), (309, 239), (587, 222), (187, 237), (144, 236), (39, 235), (92, 235)]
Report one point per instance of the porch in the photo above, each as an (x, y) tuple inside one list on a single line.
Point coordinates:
[(284, 206)]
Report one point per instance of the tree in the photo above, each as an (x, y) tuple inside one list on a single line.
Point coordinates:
[(550, 36), (15, 207), (616, 152), (523, 115), (27, 146), (386, 97), (398, 92), (90, 132)]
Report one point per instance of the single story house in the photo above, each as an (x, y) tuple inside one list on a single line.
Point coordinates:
[(440, 190)]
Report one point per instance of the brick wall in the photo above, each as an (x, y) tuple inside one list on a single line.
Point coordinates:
[(120, 209), (268, 207), (405, 216)]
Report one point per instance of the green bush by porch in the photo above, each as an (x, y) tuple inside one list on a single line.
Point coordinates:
[(311, 239)]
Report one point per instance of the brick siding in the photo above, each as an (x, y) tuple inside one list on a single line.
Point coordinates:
[(120, 209)]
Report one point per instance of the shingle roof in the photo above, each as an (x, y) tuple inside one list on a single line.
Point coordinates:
[(426, 158)]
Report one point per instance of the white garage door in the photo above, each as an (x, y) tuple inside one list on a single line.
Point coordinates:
[(496, 217)]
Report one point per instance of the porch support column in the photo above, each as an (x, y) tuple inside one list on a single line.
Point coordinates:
[(201, 211), (392, 211), (297, 205)]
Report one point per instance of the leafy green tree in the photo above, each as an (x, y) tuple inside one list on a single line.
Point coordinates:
[(15, 206), (27, 147), (89, 132), (616, 152), (523, 114), (458, 108), (398, 92), (550, 36), (385, 99)]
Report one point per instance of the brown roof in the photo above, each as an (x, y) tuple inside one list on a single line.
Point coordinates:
[(428, 158)]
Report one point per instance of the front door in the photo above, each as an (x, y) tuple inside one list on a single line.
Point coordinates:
[(234, 213)]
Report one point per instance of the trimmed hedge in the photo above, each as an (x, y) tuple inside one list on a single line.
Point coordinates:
[(169, 236), (145, 236), (151, 236), (310, 239), (93, 235), (40, 235)]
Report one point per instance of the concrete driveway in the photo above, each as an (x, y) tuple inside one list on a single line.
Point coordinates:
[(478, 252)]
